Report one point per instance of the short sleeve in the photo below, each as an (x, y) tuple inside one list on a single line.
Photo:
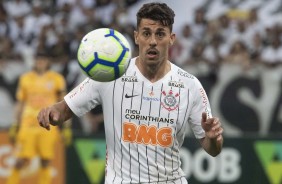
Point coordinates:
[(61, 83), (84, 97), (200, 104), (20, 93)]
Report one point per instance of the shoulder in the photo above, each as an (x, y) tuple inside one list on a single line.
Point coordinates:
[(27, 75), (54, 74), (131, 65), (182, 74), (187, 79)]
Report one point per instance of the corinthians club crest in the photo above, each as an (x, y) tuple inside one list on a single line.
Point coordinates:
[(169, 100)]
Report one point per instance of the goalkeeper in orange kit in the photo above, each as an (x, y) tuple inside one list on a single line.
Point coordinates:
[(38, 88)]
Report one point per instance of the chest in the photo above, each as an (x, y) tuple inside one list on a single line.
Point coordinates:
[(39, 85), (161, 104)]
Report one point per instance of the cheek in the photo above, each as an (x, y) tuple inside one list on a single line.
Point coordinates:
[(141, 45), (165, 47)]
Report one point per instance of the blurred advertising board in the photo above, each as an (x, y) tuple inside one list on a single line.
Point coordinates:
[(244, 160), (29, 173), (246, 100)]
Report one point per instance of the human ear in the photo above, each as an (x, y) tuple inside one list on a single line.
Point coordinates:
[(136, 37), (172, 39)]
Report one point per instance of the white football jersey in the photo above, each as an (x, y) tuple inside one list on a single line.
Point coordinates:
[(145, 122)]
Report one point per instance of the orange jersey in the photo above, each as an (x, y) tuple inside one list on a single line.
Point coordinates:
[(38, 91)]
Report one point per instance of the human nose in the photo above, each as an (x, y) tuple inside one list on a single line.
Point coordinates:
[(153, 40)]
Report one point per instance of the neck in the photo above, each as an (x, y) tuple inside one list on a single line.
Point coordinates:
[(40, 72), (153, 72)]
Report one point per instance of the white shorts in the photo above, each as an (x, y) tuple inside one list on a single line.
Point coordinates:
[(181, 180)]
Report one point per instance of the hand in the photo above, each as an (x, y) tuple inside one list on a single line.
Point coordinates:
[(212, 127), (49, 115)]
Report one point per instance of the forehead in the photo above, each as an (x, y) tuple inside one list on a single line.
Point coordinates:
[(42, 59), (148, 24)]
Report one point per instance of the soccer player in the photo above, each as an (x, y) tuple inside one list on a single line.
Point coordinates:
[(37, 89), (147, 110)]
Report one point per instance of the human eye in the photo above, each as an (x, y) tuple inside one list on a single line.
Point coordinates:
[(146, 34), (160, 34)]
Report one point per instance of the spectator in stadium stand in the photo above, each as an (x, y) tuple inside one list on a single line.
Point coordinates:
[(4, 27), (240, 33), (226, 27), (272, 55), (181, 50), (254, 23), (238, 54), (38, 18), (256, 48), (17, 8), (198, 27), (197, 53), (212, 52)]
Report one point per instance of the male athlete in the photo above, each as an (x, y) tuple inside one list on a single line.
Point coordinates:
[(146, 110), (37, 89)]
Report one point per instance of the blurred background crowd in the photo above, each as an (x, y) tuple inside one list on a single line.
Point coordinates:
[(214, 32)]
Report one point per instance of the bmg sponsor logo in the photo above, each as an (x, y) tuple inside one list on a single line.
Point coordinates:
[(147, 135)]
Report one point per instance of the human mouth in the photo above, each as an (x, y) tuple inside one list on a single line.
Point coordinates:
[(152, 53)]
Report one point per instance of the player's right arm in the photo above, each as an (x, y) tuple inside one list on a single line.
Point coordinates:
[(21, 99), (14, 128), (54, 115)]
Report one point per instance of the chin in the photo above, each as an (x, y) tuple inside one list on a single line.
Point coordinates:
[(152, 61)]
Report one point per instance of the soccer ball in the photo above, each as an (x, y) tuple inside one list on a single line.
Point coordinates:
[(104, 54)]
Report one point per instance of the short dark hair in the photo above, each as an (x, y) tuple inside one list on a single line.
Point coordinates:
[(42, 55), (157, 12)]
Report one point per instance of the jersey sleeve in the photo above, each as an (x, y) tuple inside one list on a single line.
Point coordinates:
[(61, 83), (20, 93), (200, 104), (84, 97)]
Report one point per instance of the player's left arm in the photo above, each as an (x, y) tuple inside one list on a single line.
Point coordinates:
[(66, 130), (213, 140)]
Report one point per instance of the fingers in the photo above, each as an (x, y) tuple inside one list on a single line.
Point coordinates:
[(207, 120), (219, 138), (212, 127), (220, 131), (204, 117), (43, 118), (54, 118), (215, 124), (216, 127)]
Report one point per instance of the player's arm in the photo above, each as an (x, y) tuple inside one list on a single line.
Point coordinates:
[(14, 128), (213, 140), (54, 115), (19, 110)]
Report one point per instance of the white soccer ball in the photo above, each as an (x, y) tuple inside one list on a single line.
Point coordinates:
[(104, 54)]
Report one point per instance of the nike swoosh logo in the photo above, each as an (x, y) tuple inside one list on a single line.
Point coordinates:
[(130, 96)]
